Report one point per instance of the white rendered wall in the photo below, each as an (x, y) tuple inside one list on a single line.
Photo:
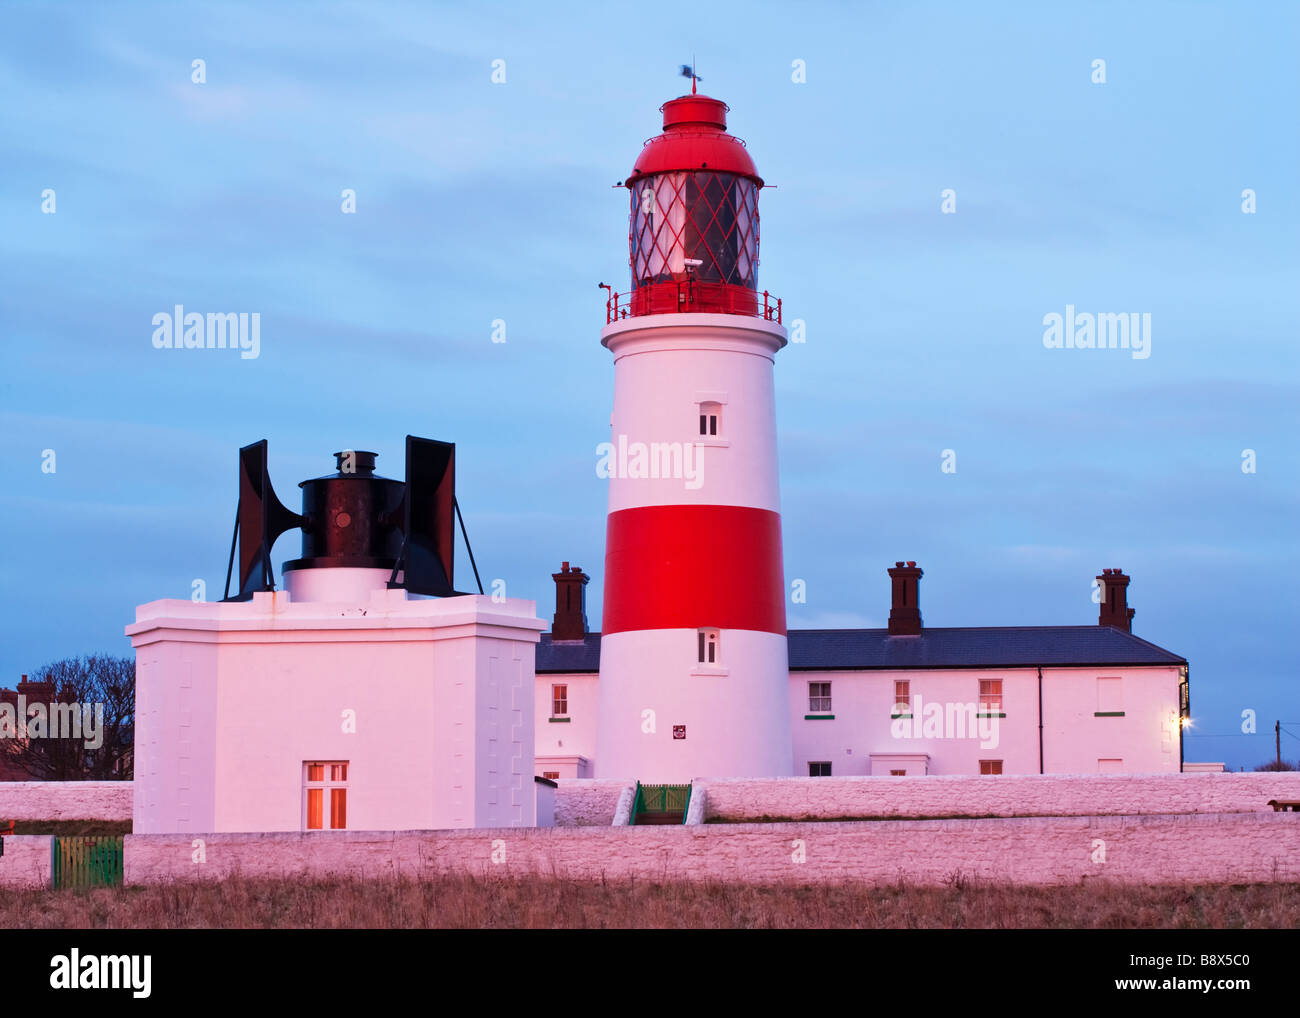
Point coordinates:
[(556, 767), (545, 804), (232, 699), (664, 365), (340, 584), (575, 737), (1145, 739), (736, 716)]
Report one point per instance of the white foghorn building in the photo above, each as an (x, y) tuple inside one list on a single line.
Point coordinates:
[(345, 700)]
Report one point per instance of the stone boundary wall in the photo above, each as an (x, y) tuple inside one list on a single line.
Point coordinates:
[(587, 802), (26, 862), (1003, 796), (65, 800), (1236, 847)]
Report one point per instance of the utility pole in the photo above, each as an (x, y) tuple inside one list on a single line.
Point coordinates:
[(1277, 732)]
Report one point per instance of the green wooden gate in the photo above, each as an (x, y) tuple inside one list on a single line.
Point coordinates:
[(86, 861), (661, 804)]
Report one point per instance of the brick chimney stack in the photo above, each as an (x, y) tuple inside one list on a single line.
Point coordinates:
[(1114, 600), (570, 622), (905, 611)]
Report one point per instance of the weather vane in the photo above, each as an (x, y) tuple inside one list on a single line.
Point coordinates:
[(688, 71)]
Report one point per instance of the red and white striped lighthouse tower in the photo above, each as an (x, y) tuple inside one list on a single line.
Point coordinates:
[(694, 672)]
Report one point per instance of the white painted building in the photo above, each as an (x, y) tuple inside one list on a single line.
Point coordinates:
[(343, 701), (986, 700)]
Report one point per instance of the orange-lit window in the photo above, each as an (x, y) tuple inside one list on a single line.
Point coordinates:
[(990, 696), (990, 766), (315, 808), (322, 811), (559, 701), (551, 775)]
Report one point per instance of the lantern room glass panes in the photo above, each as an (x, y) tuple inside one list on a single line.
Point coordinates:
[(698, 224)]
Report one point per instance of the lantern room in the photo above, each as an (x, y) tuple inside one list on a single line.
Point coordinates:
[(693, 226)]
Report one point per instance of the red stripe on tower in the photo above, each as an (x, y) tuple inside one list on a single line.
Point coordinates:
[(688, 566)]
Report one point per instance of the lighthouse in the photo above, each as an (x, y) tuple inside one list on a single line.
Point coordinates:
[(694, 673)]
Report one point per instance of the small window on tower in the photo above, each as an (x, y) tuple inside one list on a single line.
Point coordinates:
[(708, 646), (710, 419)]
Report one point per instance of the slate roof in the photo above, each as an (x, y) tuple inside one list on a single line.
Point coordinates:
[(972, 647)]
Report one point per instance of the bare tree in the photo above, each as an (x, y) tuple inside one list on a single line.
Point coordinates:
[(82, 728), (1277, 765)]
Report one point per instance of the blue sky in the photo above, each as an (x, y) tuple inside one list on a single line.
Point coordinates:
[(479, 201)]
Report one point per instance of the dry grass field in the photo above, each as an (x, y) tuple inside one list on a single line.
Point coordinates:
[(469, 902)]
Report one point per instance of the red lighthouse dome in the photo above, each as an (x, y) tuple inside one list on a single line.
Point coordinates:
[(695, 137), (693, 230)]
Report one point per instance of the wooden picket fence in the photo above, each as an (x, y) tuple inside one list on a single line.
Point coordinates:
[(86, 861)]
